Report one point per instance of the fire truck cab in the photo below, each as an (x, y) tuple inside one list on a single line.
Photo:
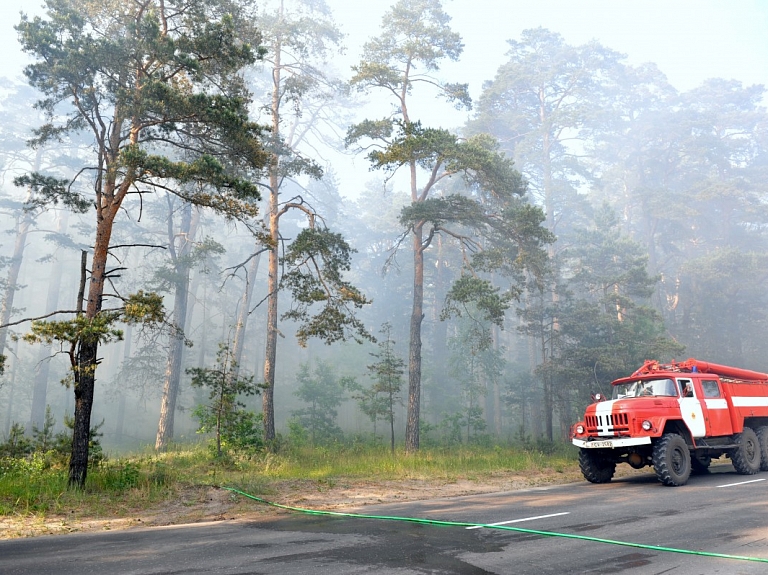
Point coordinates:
[(676, 417)]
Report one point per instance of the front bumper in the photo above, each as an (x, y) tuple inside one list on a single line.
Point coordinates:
[(611, 443)]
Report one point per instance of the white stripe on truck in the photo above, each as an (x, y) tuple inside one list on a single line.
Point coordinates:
[(750, 401)]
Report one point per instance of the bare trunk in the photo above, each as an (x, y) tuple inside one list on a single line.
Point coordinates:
[(11, 390), (84, 371), (496, 389), (85, 382), (172, 372), (470, 404), (86, 354), (548, 400), (219, 415), (270, 354), (273, 282), (204, 332), (392, 422), (551, 225), (244, 313), (258, 355), (414, 349), (42, 368), (437, 396), (23, 223), (176, 352), (565, 417), (194, 289), (120, 420)]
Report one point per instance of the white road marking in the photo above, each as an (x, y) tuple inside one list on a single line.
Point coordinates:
[(741, 483), (518, 520)]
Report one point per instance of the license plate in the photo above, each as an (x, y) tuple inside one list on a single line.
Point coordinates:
[(597, 444)]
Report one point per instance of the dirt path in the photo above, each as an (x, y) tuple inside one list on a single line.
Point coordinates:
[(196, 504)]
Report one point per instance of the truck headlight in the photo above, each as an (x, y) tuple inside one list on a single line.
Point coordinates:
[(647, 425), (580, 429)]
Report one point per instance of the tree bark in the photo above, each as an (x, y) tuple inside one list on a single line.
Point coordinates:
[(273, 281), (548, 399), (120, 421), (437, 395), (391, 422), (40, 389), (86, 354), (496, 388), (270, 354), (11, 390), (180, 303), (244, 313), (23, 223), (81, 433), (414, 348)]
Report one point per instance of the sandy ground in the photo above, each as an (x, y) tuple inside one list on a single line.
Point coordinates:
[(196, 504)]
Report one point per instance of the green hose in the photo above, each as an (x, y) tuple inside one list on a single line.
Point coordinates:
[(502, 527)]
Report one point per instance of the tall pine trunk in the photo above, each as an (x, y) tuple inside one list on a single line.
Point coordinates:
[(120, 420), (497, 419), (86, 355), (176, 352), (270, 354), (85, 380), (273, 279), (11, 391), (414, 348), (42, 369), (440, 360), (244, 313), (23, 223)]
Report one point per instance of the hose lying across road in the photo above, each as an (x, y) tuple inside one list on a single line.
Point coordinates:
[(502, 527)]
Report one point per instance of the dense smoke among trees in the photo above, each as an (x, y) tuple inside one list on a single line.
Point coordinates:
[(176, 231)]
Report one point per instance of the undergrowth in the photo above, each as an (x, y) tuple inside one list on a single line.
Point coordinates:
[(37, 484)]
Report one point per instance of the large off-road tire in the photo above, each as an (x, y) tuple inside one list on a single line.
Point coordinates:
[(746, 457), (595, 467), (762, 437), (700, 463), (672, 460)]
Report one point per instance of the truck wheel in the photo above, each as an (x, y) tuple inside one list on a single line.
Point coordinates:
[(594, 467), (700, 463), (672, 460), (746, 457), (762, 437)]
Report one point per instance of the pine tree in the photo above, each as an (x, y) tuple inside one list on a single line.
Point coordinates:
[(155, 83)]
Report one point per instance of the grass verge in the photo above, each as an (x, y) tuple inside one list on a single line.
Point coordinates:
[(177, 483)]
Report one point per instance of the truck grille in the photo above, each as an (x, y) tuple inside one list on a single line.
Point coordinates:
[(617, 421)]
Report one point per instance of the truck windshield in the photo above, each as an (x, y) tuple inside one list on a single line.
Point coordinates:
[(645, 388)]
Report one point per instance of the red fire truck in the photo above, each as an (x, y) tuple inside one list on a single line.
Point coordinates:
[(677, 417)]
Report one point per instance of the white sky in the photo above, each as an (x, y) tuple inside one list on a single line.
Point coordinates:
[(689, 40)]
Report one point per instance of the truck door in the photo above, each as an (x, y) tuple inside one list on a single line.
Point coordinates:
[(716, 412), (690, 408)]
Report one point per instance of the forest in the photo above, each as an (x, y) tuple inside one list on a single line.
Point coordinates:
[(179, 261)]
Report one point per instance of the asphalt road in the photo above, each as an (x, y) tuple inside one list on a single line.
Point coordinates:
[(720, 512)]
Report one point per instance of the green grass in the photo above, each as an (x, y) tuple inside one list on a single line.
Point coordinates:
[(120, 487), (35, 487), (434, 463)]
